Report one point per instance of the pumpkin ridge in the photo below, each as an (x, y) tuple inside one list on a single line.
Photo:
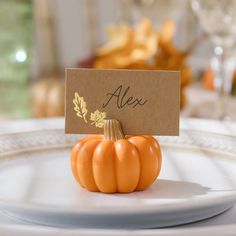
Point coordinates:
[(86, 143), (74, 158), (139, 142), (139, 157), (93, 168), (115, 168), (156, 146), (103, 166), (140, 166), (129, 157)]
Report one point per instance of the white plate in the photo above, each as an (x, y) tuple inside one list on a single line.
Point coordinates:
[(198, 181)]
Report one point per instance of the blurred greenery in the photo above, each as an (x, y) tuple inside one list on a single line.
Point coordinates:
[(15, 37), (14, 102), (15, 61)]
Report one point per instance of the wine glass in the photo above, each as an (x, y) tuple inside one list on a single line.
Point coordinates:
[(218, 19)]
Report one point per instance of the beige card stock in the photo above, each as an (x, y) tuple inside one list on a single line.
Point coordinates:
[(145, 102)]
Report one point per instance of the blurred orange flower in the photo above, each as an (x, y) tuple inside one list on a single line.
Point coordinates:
[(143, 47)]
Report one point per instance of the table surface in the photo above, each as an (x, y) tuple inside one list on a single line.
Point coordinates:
[(224, 223), (14, 126)]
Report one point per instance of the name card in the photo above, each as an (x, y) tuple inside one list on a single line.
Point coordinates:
[(145, 102)]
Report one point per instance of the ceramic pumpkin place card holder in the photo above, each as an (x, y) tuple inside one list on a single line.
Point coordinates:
[(119, 113), (113, 163)]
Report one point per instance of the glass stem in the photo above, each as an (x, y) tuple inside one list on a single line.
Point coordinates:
[(223, 68)]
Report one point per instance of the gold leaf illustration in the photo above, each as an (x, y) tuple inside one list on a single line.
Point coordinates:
[(98, 118), (80, 106)]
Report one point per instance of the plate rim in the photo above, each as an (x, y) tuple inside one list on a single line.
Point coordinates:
[(76, 137), (195, 203)]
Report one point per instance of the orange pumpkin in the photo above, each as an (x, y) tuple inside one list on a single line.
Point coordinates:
[(113, 163), (47, 97)]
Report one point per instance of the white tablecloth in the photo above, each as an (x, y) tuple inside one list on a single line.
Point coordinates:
[(224, 224)]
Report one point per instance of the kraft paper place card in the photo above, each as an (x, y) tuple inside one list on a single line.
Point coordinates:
[(145, 102)]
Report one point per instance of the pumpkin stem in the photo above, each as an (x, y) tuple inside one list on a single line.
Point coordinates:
[(113, 130)]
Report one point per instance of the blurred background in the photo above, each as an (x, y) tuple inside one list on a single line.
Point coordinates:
[(40, 38)]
